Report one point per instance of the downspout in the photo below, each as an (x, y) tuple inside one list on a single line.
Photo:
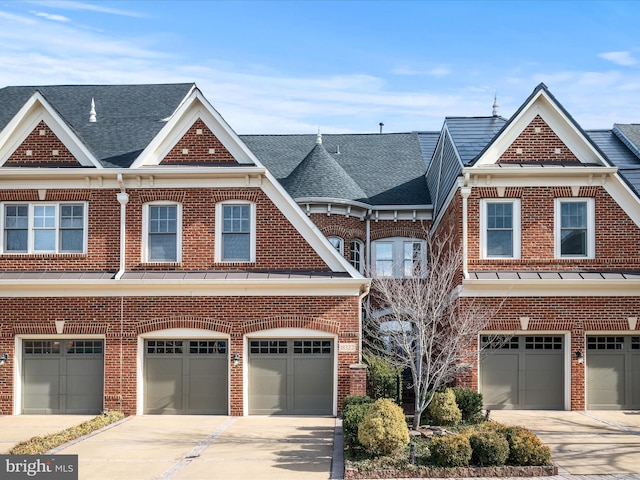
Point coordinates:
[(465, 191), (365, 292), (123, 199)]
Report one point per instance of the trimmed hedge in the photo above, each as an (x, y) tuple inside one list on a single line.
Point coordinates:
[(489, 449), (443, 409), (469, 402), (384, 429), (525, 448), (352, 416), (451, 451)]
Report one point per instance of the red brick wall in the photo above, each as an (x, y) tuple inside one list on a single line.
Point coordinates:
[(42, 147), (236, 316), (198, 147), (616, 236), (279, 246), (103, 234), (537, 146)]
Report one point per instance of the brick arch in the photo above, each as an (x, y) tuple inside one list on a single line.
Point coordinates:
[(347, 234), (49, 328), (290, 321), (155, 196), (399, 231), (224, 194), (183, 322)]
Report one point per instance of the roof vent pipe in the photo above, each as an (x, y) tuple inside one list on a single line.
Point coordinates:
[(381, 125), (92, 113)]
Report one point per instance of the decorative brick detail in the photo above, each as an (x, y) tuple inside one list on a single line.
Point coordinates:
[(41, 148), (358, 379), (183, 322), (538, 143), (401, 228), (69, 195), (487, 192), (198, 145), (223, 195), (147, 196), (293, 321), (18, 195)]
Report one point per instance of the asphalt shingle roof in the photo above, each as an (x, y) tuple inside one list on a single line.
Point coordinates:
[(128, 116), (388, 168), (471, 135)]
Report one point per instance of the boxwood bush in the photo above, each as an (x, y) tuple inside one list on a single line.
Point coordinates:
[(352, 416), (384, 429), (443, 409), (469, 402), (525, 448), (489, 449), (450, 451)]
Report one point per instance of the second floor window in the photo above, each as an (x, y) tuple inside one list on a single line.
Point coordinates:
[(44, 228), (398, 257), (236, 232), (356, 255), (163, 233), (500, 228), (338, 244), (575, 232)]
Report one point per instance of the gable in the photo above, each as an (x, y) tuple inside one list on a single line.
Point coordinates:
[(42, 148), (538, 143), (199, 145), (541, 131)]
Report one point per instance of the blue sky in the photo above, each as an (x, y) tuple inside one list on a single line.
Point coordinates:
[(339, 66)]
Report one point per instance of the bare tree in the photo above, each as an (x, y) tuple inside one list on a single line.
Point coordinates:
[(422, 324)]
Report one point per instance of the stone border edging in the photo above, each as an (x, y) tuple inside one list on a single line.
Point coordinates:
[(459, 472)]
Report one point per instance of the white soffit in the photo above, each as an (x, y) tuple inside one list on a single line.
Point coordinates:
[(555, 118), (193, 108), (35, 110)]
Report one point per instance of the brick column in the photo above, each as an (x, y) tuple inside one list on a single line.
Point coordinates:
[(578, 369), (358, 379)]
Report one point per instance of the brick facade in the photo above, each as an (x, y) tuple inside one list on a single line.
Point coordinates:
[(198, 146), (42, 148)]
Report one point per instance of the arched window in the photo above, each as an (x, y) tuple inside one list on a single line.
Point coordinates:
[(356, 254), (338, 243)]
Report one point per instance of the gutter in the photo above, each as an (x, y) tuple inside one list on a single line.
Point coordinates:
[(465, 191), (123, 199)]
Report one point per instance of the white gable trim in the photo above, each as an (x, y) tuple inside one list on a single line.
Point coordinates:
[(194, 107), (35, 110), (543, 105)]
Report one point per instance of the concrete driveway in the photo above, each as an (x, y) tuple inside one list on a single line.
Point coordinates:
[(208, 447), (584, 443)]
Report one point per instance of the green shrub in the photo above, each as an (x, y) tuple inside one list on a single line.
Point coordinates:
[(489, 449), (355, 400), (450, 451), (469, 402), (382, 378), (384, 428), (525, 448), (352, 416), (443, 409)]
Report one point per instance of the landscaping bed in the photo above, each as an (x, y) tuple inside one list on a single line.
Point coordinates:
[(378, 443)]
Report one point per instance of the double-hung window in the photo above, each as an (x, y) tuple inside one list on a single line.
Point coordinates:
[(162, 232), (235, 232), (575, 228), (500, 228), (44, 227), (398, 257)]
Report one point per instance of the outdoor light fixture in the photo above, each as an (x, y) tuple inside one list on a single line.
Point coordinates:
[(3, 359), (579, 356), (236, 359)]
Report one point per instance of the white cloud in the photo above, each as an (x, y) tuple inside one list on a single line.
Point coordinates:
[(50, 16), (440, 71), (624, 59), (73, 5)]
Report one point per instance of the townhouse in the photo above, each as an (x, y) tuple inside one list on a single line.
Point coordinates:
[(154, 261)]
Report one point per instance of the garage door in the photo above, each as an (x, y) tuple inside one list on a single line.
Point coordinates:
[(291, 376), (186, 377), (62, 376), (523, 372), (613, 372)]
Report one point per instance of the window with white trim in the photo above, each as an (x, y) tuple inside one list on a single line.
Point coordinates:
[(44, 227), (338, 243), (575, 228), (356, 254), (235, 231), (398, 257), (162, 232), (500, 228)]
